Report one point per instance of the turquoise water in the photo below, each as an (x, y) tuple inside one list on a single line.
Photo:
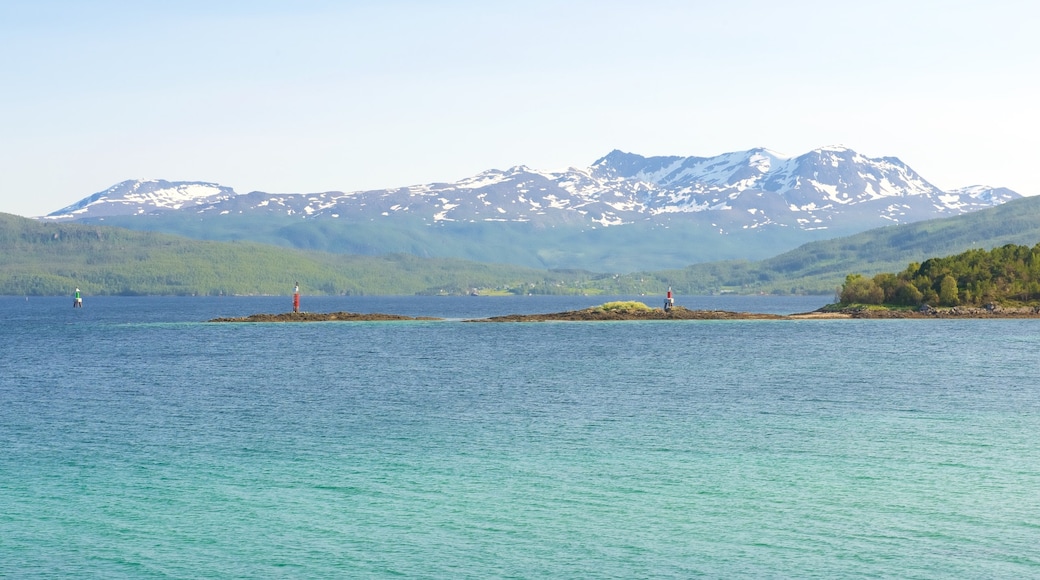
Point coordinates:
[(139, 441)]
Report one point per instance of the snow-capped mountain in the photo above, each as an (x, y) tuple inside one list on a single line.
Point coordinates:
[(824, 188), (139, 197), (811, 191), (624, 212)]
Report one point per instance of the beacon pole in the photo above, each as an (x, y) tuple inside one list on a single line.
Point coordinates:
[(669, 301), (296, 298), (77, 300)]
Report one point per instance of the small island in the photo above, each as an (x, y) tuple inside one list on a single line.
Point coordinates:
[(322, 317), (630, 310)]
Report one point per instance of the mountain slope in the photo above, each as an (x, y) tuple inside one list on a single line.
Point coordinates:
[(822, 266)]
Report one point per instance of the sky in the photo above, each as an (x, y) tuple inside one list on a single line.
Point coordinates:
[(317, 95)]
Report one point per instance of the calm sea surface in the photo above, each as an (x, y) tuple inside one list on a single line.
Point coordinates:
[(137, 440)]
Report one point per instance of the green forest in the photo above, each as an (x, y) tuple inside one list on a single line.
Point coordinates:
[(1009, 274), (48, 259)]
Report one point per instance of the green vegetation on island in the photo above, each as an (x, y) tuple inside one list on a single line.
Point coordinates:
[(624, 306), (1008, 275)]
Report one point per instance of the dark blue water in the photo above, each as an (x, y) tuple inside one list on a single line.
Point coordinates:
[(139, 440)]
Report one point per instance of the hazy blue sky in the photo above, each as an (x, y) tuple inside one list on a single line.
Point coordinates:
[(312, 95)]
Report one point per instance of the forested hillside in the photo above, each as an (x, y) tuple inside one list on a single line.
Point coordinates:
[(53, 259)]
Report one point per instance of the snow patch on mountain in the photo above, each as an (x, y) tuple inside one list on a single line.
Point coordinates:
[(141, 196)]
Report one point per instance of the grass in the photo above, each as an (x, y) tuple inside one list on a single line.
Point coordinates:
[(624, 306)]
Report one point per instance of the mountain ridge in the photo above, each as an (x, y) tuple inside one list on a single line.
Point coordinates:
[(666, 179), (665, 211)]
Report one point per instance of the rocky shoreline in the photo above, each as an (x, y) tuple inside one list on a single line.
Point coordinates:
[(321, 317), (596, 313), (675, 313), (927, 313)]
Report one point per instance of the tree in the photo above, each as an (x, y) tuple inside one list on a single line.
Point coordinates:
[(860, 290), (948, 291), (907, 294), (889, 284)]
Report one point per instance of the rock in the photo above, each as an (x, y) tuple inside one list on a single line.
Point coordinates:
[(321, 317)]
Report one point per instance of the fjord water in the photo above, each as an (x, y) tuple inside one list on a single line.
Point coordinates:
[(137, 440)]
